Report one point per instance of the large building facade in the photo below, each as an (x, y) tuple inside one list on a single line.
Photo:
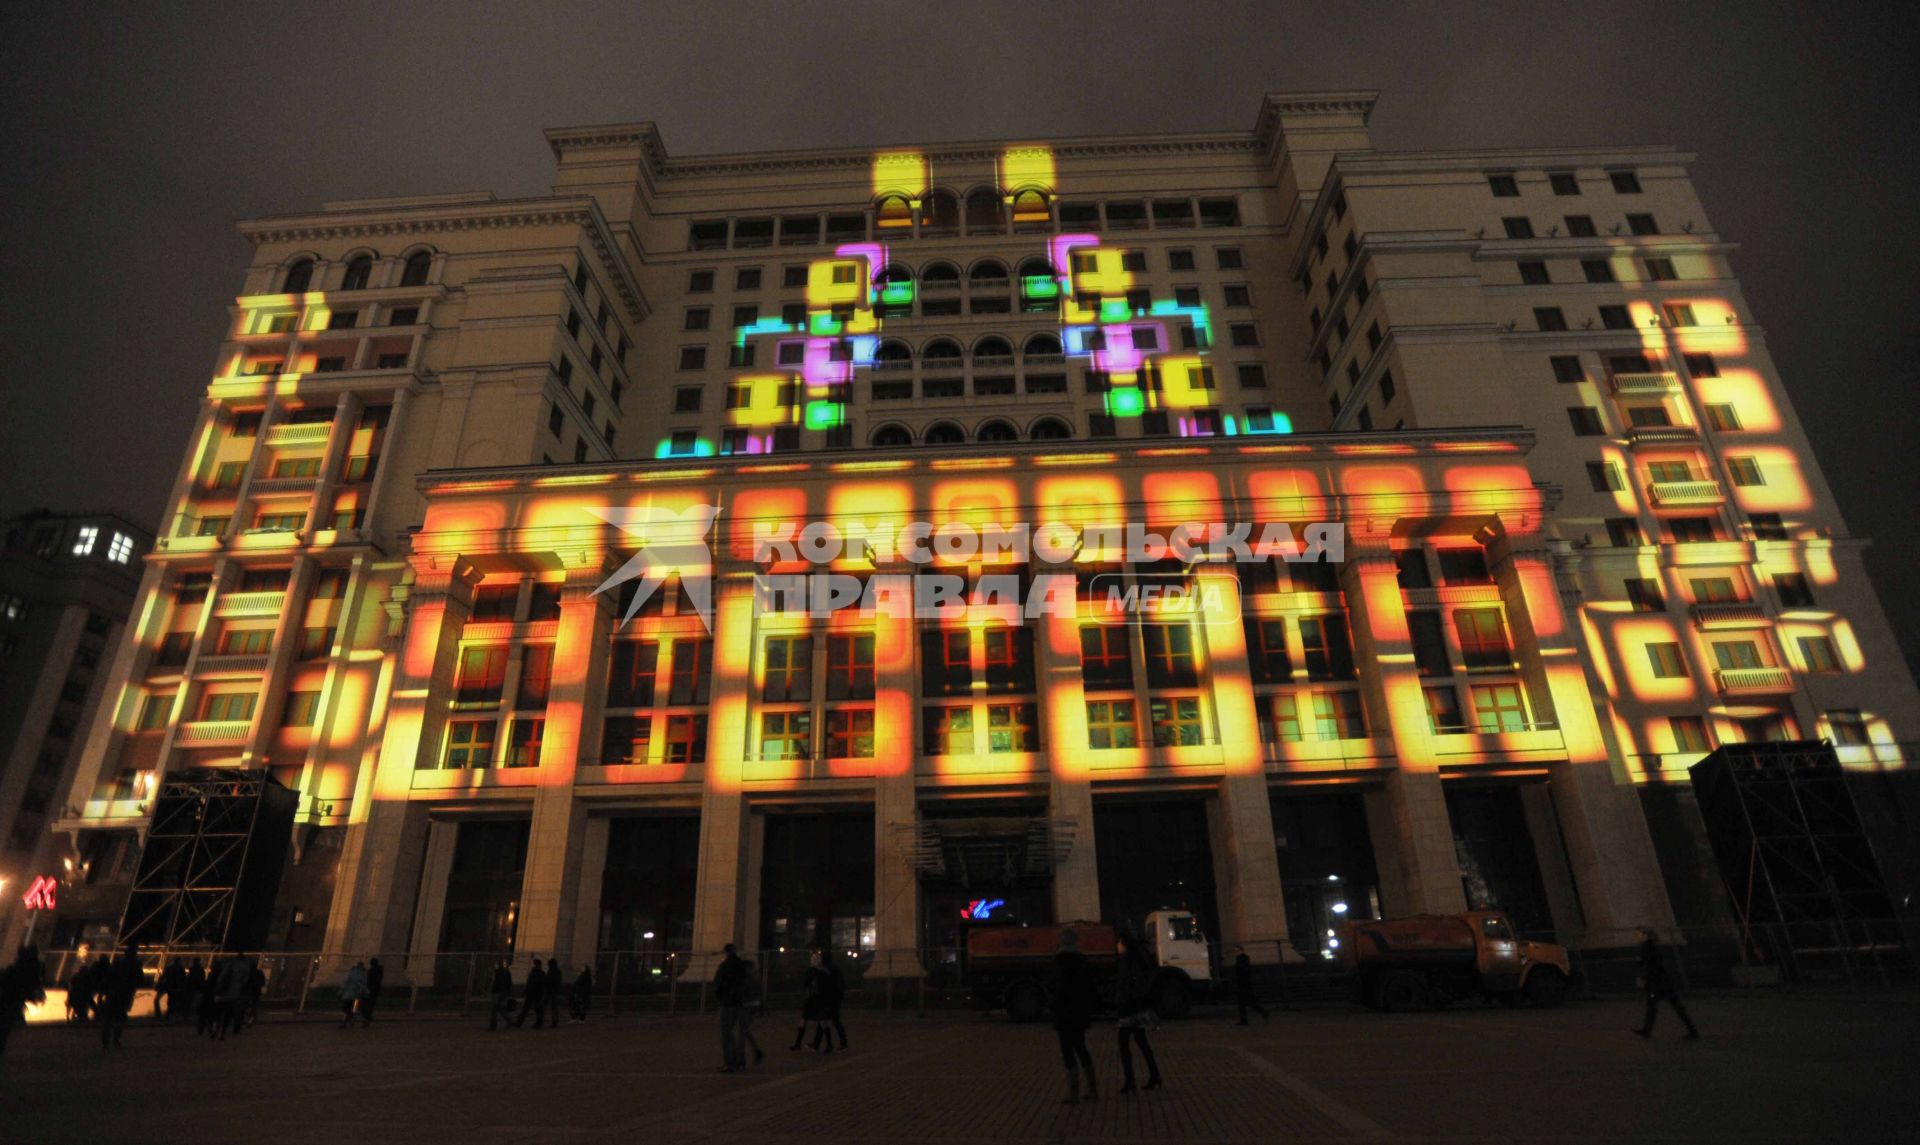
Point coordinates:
[(431, 418)]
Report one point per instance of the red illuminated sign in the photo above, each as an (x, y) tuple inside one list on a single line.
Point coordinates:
[(39, 895)]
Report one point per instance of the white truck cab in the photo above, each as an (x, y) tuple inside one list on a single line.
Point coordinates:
[(1176, 942)]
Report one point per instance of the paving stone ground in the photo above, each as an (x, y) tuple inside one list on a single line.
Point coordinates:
[(1800, 1068)]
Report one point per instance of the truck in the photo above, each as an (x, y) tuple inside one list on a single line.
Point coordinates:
[(1010, 967), (1430, 960)]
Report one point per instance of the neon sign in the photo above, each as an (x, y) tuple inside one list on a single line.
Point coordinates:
[(979, 910), (39, 894)]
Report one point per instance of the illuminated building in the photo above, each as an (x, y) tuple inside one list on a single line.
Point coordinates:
[(67, 583), (373, 584)]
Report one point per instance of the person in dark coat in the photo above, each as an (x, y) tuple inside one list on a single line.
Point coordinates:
[(206, 1005), (1243, 987), (836, 995), (536, 997), (1133, 996), (167, 990), (556, 989), (80, 994), (816, 1006), (376, 978), (123, 980), (353, 990), (730, 991), (1659, 986), (1073, 1003), (20, 985), (502, 996), (582, 996), (250, 994)]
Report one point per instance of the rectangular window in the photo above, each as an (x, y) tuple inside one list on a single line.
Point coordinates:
[(1483, 639), (1689, 733), (1009, 660), (946, 729), (1661, 270), (1013, 727), (1430, 656), (626, 739), (1534, 273), (786, 735), (470, 743), (1503, 186), (1443, 710), (1325, 647), (1645, 595), (1624, 533), (481, 675), (1818, 654), (1642, 225), (693, 357), (1499, 708), (787, 670), (1616, 318), (223, 707), (697, 318), (1679, 314), (1793, 590), (1597, 270), (1604, 476), (536, 678), (690, 672), (1283, 722), (850, 672), (1170, 656), (1734, 655), (1105, 661), (1410, 569), (1848, 727), (701, 281), (1766, 527), (1110, 724), (850, 733), (1585, 420), (1691, 530), (1176, 721), (1625, 182), (1518, 227), (630, 677), (1549, 319), (523, 742), (1463, 566), (154, 711), (946, 662), (1580, 227), (686, 739), (1267, 650), (1666, 661), (1338, 715), (1745, 471), (1563, 182)]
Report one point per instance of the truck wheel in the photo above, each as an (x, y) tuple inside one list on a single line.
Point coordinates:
[(1402, 990), (1173, 997), (1546, 988), (1025, 1002)]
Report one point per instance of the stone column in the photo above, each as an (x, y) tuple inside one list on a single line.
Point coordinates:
[(723, 805), (1076, 879), (896, 885)]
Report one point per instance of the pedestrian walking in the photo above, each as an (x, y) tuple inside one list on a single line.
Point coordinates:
[(502, 996), (1659, 986), (556, 985), (1243, 987), (250, 995), (1073, 1002), (815, 1005), (1133, 996), (376, 979), (352, 990), (80, 994), (536, 997), (21, 985), (206, 1008), (751, 1006), (836, 998), (123, 980), (168, 989), (730, 991), (582, 996), (230, 996)]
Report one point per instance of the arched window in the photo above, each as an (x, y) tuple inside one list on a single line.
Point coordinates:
[(944, 433), (983, 212), (892, 355), (415, 272), (940, 213), (942, 272), (893, 272), (997, 431), (993, 346), (940, 352), (299, 277), (892, 212), (1036, 268), (1042, 346), (988, 272), (359, 273), (1049, 429), (892, 437), (1030, 210)]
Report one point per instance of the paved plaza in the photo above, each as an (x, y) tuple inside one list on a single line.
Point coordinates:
[(1769, 1068)]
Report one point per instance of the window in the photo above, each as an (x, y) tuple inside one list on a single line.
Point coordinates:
[(1616, 318), (690, 672), (693, 357), (1735, 655), (1534, 273), (1338, 715), (1666, 660), (1283, 724), (481, 674), (1243, 334), (686, 739), (1483, 639), (315, 644), (536, 678), (946, 729), (1170, 656), (299, 277), (786, 735), (557, 420), (850, 672), (1848, 727), (1644, 416), (698, 318), (1586, 421), (172, 651), (359, 271), (1110, 724), (418, 264), (1503, 186), (946, 662), (1179, 260), (1518, 227), (1645, 595), (1689, 733), (1499, 708), (1463, 566), (1745, 471), (1597, 270), (787, 670), (1766, 527), (1186, 296), (155, 709), (701, 282), (1325, 648), (1818, 654), (1009, 660), (1176, 721), (1567, 368), (1429, 643), (686, 399), (470, 743), (1793, 590), (1563, 182), (1443, 710), (1604, 476), (83, 542), (1580, 227), (1101, 425), (850, 733), (747, 278), (1661, 270), (1702, 365), (1642, 225), (523, 742), (1105, 662), (1679, 314), (1266, 649), (1013, 727), (245, 641), (227, 707), (1625, 182), (745, 316), (1549, 319), (1624, 532), (626, 739), (1228, 258), (1691, 530)]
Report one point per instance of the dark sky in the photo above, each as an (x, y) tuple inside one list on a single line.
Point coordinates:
[(135, 137)]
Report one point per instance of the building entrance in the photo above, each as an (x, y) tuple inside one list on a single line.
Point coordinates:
[(1154, 854), (483, 888), (646, 894), (1499, 863), (1326, 866)]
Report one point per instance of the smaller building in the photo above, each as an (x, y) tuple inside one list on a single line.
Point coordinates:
[(67, 585)]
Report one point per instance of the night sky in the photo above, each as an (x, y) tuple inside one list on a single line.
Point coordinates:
[(136, 138)]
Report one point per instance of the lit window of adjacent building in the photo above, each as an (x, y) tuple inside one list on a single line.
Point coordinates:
[(786, 735), (1848, 727), (1013, 727), (83, 543), (1176, 721)]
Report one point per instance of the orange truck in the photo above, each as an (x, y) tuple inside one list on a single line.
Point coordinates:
[(1009, 967), (1430, 960)]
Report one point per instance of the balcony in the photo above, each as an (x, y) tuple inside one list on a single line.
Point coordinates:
[(250, 604), (284, 484), (212, 733), (1644, 435), (1753, 681), (223, 665), (1659, 382), (940, 286), (299, 433), (1674, 494), (1452, 594), (1728, 614), (1045, 361), (993, 362)]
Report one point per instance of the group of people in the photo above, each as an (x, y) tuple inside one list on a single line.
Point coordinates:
[(360, 992), (545, 985)]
